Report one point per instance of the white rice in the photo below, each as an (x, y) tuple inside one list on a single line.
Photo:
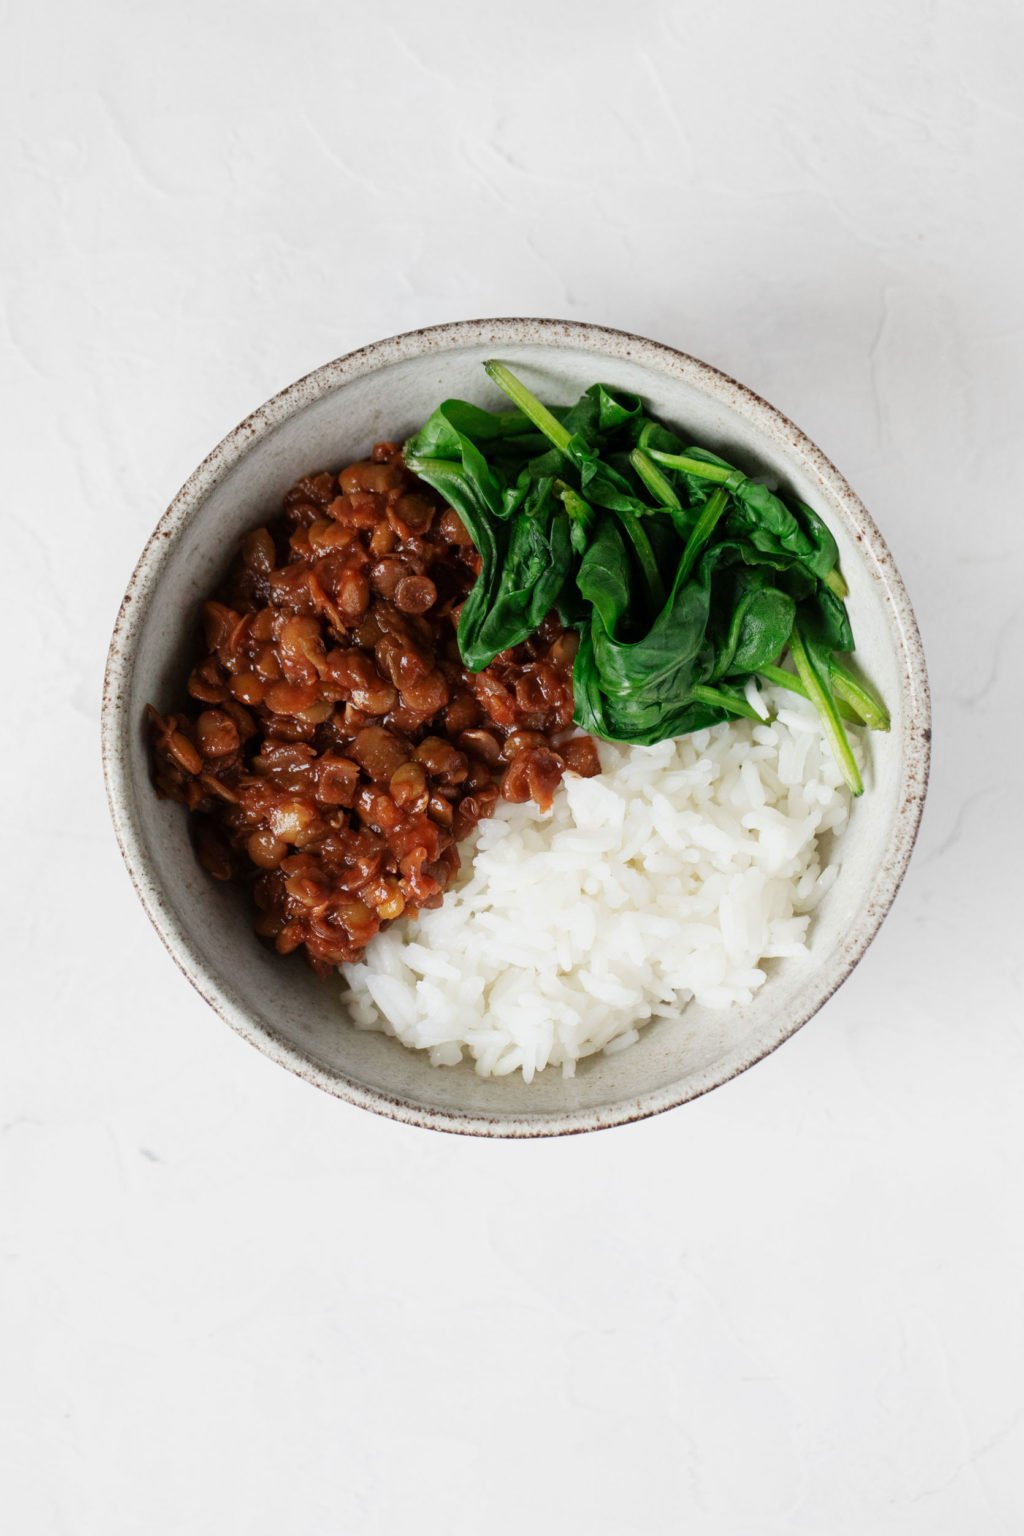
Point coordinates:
[(673, 876)]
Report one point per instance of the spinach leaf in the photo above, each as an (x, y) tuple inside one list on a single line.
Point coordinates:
[(525, 585), (603, 578), (519, 527), (683, 576), (764, 516), (759, 619)]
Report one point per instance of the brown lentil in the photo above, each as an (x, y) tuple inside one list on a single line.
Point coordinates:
[(334, 749)]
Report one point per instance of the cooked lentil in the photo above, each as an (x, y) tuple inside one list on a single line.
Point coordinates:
[(334, 749)]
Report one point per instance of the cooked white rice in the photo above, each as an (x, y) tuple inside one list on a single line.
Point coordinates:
[(674, 875)]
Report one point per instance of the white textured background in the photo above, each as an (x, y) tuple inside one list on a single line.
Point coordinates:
[(229, 1304)]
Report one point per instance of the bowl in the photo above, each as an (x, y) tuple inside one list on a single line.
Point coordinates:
[(331, 417)]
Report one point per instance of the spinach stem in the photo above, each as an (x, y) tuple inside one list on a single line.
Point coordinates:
[(716, 699), (862, 698), (716, 472), (530, 406), (789, 680), (820, 695), (579, 512), (722, 476), (703, 528), (654, 480), (434, 469), (575, 505), (783, 679), (634, 531)]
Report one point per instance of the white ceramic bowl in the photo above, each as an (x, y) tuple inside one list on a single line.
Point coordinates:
[(331, 417)]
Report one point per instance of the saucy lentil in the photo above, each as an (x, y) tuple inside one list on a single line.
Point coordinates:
[(335, 749)]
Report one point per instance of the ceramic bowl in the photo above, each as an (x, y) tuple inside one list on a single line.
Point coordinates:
[(331, 417)]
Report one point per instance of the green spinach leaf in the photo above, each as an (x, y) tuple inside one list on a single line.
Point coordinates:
[(683, 576)]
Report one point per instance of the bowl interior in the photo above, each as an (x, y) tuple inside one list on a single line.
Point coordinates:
[(334, 417)]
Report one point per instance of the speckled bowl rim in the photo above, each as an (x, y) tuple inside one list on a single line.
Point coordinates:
[(116, 726)]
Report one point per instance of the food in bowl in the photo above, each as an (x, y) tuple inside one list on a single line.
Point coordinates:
[(406, 650), (336, 748), (682, 873)]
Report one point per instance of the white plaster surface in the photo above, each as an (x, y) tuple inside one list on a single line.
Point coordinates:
[(231, 1304)]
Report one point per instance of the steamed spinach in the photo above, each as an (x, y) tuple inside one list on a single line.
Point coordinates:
[(684, 576)]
